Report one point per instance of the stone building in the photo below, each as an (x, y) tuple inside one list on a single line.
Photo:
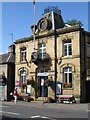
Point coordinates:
[(7, 74), (55, 53)]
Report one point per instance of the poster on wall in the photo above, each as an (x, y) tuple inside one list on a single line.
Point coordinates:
[(28, 89), (17, 83), (42, 82), (59, 88)]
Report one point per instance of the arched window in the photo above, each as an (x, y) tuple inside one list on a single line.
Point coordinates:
[(23, 76), (67, 75)]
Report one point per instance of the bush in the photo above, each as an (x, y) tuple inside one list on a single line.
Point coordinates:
[(51, 100), (30, 99)]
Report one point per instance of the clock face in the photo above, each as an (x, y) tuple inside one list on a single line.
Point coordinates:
[(43, 24), (34, 56)]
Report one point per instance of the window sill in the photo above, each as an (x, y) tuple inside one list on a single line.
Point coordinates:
[(22, 62), (68, 88), (68, 56)]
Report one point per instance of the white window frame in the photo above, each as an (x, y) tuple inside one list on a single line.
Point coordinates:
[(23, 76), (42, 49), (68, 71), (22, 54), (67, 52)]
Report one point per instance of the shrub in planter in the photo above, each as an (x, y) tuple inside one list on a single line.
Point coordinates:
[(51, 100), (67, 85), (30, 99)]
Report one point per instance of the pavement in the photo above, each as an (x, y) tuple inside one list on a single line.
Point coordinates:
[(36, 104)]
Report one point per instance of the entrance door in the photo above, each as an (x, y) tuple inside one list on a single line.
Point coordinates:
[(88, 91), (45, 89)]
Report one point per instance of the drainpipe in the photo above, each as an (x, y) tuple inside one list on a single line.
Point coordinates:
[(55, 52), (55, 62)]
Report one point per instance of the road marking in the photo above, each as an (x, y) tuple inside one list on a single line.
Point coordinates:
[(13, 113), (47, 118), (9, 113), (4, 106), (44, 117), (2, 112), (88, 110), (36, 116)]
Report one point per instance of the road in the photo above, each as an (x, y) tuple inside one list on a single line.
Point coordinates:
[(49, 111)]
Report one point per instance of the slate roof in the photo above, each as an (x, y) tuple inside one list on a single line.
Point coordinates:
[(7, 58)]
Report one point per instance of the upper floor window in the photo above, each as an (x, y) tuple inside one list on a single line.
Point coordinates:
[(42, 50), (22, 54), (67, 48)]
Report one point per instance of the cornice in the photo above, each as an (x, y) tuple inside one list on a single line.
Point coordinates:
[(50, 33)]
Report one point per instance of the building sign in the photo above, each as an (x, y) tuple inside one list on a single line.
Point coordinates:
[(43, 74)]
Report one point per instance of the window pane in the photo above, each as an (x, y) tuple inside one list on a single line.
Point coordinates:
[(42, 50), (69, 49), (67, 71), (70, 69), (65, 78), (70, 77), (23, 76), (44, 45), (22, 54), (65, 49)]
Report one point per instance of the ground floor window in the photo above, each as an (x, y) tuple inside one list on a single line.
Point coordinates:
[(22, 80), (67, 77), (23, 76)]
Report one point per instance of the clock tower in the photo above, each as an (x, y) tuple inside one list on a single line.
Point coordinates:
[(51, 20)]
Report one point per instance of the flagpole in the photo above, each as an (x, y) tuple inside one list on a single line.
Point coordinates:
[(34, 2), (11, 36)]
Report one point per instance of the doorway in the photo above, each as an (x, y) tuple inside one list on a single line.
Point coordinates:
[(88, 91), (42, 91)]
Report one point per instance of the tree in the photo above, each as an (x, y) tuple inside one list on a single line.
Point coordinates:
[(74, 22)]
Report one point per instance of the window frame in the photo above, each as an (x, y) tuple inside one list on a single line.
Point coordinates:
[(22, 54), (66, 46), (42, 49), (67, 71), (23, 76)]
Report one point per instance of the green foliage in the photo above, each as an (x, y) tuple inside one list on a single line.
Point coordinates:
[(74, 22)]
